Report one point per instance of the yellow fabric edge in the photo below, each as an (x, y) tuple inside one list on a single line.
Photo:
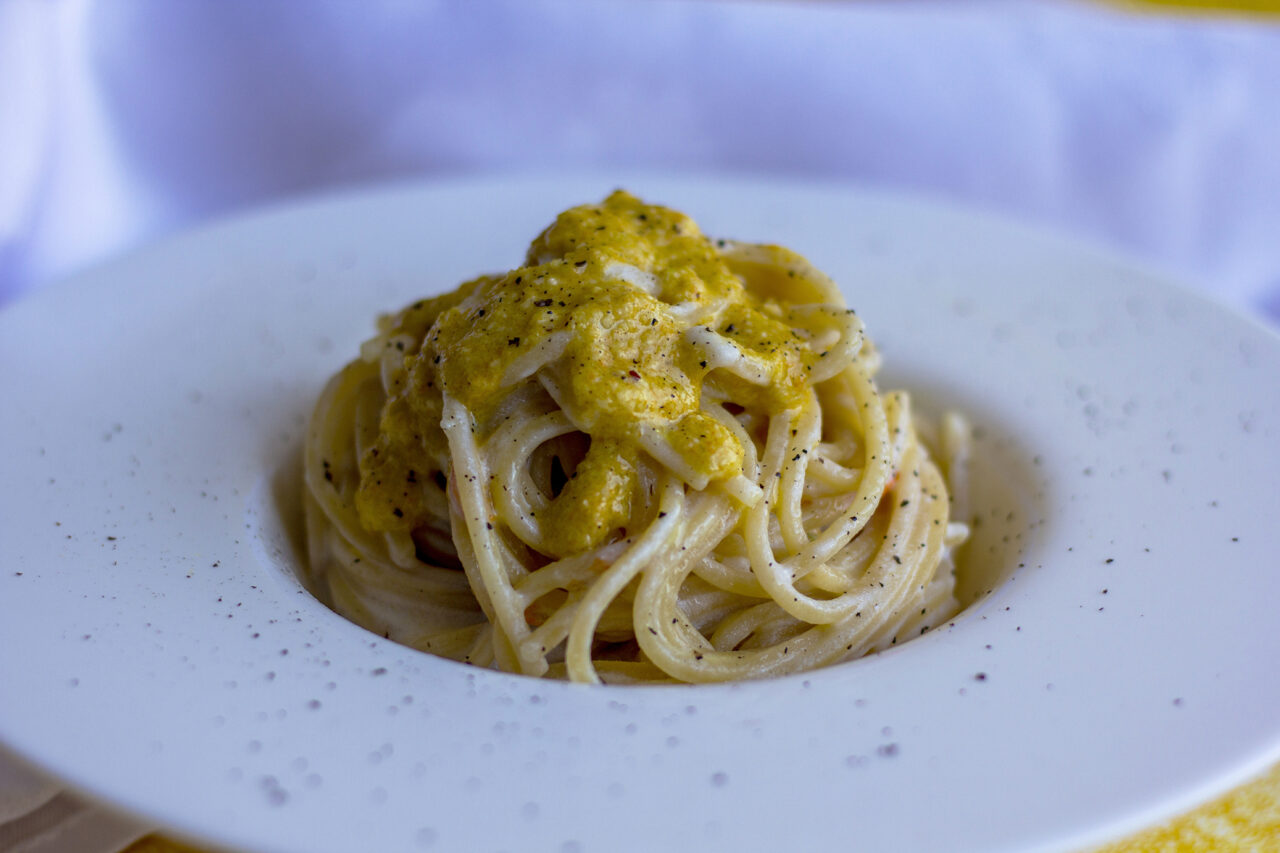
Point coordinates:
[(1264, 10)]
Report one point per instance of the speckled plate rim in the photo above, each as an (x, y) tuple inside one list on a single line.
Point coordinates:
[(158, 653)]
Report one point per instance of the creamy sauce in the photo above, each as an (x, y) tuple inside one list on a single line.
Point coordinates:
[(616, 305)]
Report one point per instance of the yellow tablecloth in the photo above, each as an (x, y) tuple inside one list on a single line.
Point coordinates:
[(1248, 7), (1247, 820)]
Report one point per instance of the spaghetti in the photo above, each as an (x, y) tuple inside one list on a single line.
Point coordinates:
[(645, 455)]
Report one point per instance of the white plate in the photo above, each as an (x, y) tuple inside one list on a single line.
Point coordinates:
[(156, 651)]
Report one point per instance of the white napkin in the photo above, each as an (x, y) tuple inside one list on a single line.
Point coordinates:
[(123, 120)]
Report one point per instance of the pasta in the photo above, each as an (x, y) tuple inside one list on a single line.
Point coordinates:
[(645, 455)]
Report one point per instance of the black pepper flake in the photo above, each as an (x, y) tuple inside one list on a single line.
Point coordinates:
[(513, 342), (541, 303), (397, 512), (981, 676)]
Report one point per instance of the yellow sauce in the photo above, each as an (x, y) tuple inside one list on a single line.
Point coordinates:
[(612, 290)]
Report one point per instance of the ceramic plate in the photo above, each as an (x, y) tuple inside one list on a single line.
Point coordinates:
[(1117, 662)]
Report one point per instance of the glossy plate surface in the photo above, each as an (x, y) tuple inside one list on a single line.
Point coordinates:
[(156, 650)]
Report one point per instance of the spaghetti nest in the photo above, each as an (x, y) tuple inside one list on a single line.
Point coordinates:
[(645, 455)]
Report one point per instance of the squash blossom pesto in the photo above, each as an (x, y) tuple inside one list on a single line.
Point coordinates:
[(607, 308)]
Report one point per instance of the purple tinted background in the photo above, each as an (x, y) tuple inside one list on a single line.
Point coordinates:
[(122, 121)]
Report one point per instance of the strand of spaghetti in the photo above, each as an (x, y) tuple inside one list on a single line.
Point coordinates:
[(750, 462), (806, 429), (826, 575), (774, 577), (706, 523), (657, 446), (332, 437), (707, 606), (733, 629), (667, 645), (741, 486), (564, 572), (955, 444), (937, 602), (834, 470), (778, 631), (349, 568), (724, 353), (877, 469), (471, 476), (327, 466), (732, 574), (535, 359), (481, 651), (391, 601), (551, 633), (920, 561), (794, 275), (391, 359), (515, 497), (427, 588), (835, 355), (665, 530), (841, 572), (453, 644), (778, 579)]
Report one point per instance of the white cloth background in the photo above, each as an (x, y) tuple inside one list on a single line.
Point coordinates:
[(123, 120)]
